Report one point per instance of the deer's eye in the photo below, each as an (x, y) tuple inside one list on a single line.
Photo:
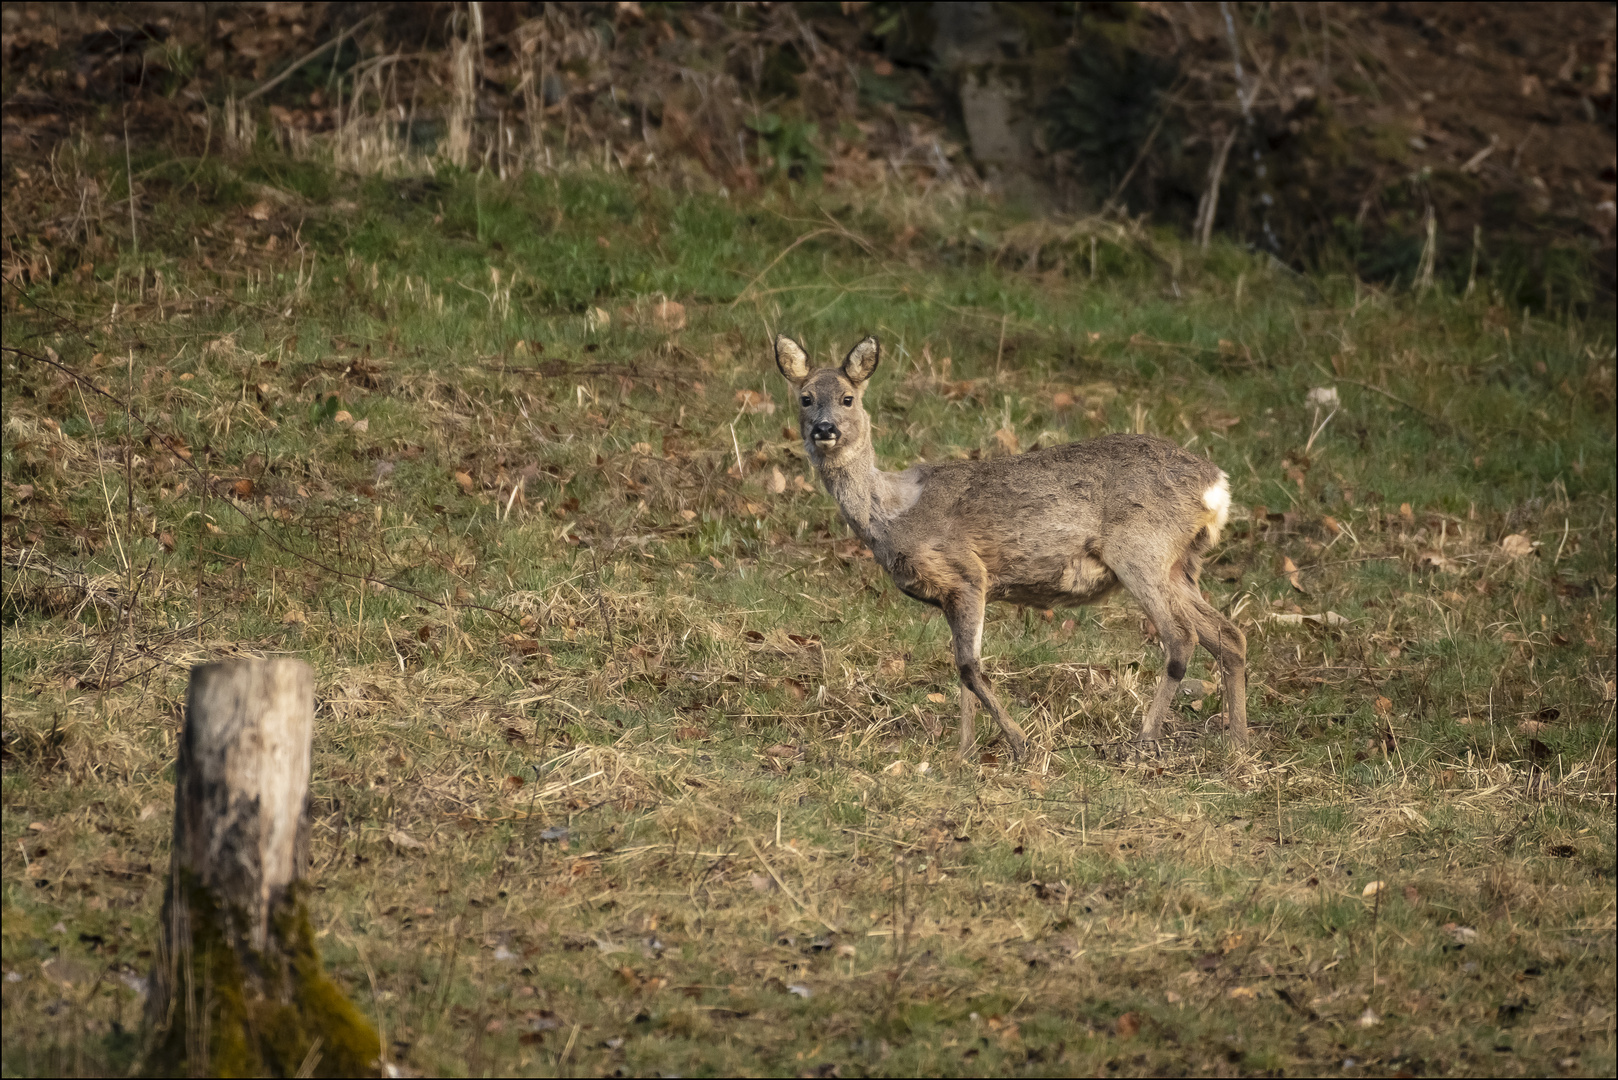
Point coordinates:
[(806, 401), (848, 399)]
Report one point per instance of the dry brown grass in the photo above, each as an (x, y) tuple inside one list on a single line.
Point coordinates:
[(620, 747)]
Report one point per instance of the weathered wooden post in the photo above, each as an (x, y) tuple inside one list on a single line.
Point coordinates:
[(238, 988)]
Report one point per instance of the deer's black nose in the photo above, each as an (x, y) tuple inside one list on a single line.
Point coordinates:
[(825, 431)]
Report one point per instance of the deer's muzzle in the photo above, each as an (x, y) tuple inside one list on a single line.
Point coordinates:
[(825, 434)]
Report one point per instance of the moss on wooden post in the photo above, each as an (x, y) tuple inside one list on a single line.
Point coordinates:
[(239, 988)]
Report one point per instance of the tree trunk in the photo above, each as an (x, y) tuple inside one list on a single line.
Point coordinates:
[(239, 988)]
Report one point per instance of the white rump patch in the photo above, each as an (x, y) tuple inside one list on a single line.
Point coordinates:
[(1217, 500)]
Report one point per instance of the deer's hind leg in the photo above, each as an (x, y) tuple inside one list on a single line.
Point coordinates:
[(1228, 644), (965, 614), (1177, 632)]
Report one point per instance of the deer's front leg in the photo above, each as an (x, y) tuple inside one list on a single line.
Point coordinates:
[(965, 614)]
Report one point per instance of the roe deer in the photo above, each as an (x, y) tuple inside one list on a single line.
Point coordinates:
[(1063, 526)]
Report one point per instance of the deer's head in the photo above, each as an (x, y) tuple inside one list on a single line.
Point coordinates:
[(831, 413)]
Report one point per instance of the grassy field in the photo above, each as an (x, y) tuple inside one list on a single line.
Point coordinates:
[(629, 760)]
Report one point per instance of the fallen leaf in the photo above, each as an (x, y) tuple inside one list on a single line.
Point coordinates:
[(23, 492), (801, 484), (166, 540), (362, 425), (260, 211), (893, 666), (1241, 993), (404, 841), (1008, 440), (1517, 545), (1372, 888), (1322, 397), (937, 699), (782, 750), (1435, 560), (1383, 706), (1128, 1025), (1295, 618), (67, 972), (688, 515), (1062, 400), (1289, 570), (896, 768), (343, 416), (668, 316), (293, 617), (242, 489), (777, 484), (466, 481), (522, 646), (1368, 1018), (512, 783), (754, 403)]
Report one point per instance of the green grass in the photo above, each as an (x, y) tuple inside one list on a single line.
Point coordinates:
[(538, 592)]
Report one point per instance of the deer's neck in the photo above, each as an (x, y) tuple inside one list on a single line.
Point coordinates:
[(868, 497)]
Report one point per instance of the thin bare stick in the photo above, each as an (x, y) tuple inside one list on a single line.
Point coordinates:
[(1210, 197), (784, 253), (291, 69), (101, 474), (601, 601), (129, 173), (1000, 349), (1112, 201), (1397, 400), (805, 908)]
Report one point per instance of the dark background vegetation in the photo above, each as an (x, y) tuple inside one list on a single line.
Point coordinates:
[(1352, 122)]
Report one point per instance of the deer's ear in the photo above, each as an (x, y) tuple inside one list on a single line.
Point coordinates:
[(791, 359), (860, 363)]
